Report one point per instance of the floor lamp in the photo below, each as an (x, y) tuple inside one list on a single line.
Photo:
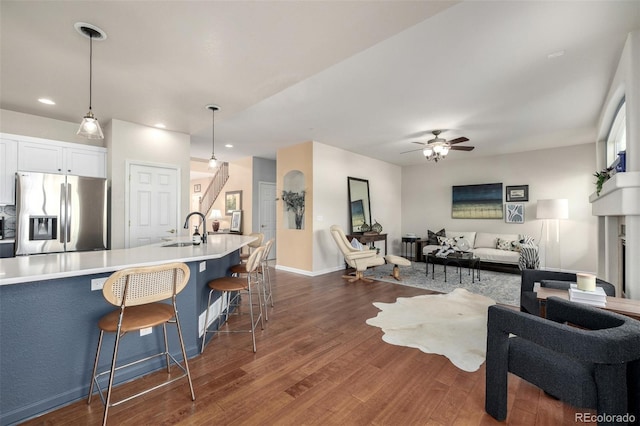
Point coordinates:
[(552, 211)]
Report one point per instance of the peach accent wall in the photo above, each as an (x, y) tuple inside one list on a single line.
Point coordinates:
[(295, 246)]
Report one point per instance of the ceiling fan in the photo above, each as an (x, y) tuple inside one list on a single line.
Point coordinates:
[(437, 148)]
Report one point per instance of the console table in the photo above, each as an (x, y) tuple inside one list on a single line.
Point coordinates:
[(370, 239)]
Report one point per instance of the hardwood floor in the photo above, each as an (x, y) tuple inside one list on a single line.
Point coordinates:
[(318, 363)]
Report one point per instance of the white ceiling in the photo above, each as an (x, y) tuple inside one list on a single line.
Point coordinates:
[(366, 76)]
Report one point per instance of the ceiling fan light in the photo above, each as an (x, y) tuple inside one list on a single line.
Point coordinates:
[(438, 149), (427, 151), (445, 150)]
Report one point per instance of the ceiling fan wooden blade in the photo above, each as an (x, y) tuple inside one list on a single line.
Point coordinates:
[(461, 148), (413, 150), (458, 140), (419, 143)]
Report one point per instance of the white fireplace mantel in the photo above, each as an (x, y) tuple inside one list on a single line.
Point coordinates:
[(620, 196)]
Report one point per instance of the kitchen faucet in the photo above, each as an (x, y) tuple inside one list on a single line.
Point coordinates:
[(204, 225)]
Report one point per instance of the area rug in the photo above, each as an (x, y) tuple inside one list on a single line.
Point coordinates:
[(453, 325), (502, 287)]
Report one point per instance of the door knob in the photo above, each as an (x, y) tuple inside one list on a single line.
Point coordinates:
[(172, 231)]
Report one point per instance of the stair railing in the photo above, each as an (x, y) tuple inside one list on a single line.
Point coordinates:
[(214, 189)]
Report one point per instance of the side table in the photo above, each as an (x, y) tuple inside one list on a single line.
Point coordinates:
[(410, 247)]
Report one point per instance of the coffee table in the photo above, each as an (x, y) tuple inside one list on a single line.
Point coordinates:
[(469, 261)]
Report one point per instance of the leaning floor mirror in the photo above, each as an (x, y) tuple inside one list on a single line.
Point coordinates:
[(359, 204)]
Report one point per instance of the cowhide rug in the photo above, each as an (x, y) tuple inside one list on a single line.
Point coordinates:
[(453, 325)]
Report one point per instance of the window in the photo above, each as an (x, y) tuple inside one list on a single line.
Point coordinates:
[(617, 138)]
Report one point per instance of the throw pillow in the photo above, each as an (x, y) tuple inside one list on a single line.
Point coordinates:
[(357, 244), (526, 239), (508, 245), (503, 244), (516, 246), (432, 237)]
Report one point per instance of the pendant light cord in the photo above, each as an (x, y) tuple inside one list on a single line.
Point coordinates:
[(213, 132), (90, 67)]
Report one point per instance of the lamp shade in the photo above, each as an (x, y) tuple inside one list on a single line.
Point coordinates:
[(553, 209), (215, 214), (90, 128)]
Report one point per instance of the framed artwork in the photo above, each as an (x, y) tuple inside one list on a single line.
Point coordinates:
[(236, 221), (232, 201), (482, 201), (517, 193), (514, 213), (357, 215), (196, 187)]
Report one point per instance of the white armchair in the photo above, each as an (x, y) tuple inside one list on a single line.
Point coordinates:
[(358, 259)]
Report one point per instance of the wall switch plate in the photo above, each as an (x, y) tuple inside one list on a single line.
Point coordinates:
[(97, 283), (203, 266), (145, 331)]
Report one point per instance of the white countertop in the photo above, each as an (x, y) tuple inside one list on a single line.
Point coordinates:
[(23, 269)]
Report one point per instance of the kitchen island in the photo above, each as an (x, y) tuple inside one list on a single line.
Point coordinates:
[(50, 305)]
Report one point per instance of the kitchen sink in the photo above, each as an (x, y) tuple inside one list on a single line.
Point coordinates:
[(185, 244)]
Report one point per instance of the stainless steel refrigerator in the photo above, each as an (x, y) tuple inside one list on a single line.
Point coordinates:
[(57, 213)]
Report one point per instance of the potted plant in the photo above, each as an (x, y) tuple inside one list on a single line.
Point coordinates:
[(294, 201), (601, 177)]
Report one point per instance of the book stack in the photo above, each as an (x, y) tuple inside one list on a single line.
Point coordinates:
[(594, 298)]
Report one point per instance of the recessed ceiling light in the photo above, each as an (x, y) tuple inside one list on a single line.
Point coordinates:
[(160, 126), (46, 101), (556, 54), (228, 145)]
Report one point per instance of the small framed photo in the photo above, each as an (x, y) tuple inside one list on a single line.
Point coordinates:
[(232, 202), (236, 221), (514, 213), (517, 193), (197, 187)]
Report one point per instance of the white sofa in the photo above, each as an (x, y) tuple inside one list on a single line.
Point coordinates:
[(485, 246)]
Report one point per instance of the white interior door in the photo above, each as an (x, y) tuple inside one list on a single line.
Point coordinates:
[(267, 219), (153, 204)]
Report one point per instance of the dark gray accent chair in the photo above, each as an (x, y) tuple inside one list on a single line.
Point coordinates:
[(561, 280), (595, 366)]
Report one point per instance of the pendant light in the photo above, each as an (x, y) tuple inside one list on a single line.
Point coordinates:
[(213, 161), (90, 128)]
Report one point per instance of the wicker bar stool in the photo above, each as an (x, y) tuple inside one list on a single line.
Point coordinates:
[(252, 245), (265, 279), (138, 292), (227, 285), (266, 274)]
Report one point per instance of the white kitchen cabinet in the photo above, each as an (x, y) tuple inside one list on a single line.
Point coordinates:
[(85, 162), (8, 169), (40, 157), (63, 158)]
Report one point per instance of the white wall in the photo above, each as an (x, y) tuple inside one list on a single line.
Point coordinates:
[(331, 167), (129, 141), (626, 82), (553, 173), (17, 123)]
